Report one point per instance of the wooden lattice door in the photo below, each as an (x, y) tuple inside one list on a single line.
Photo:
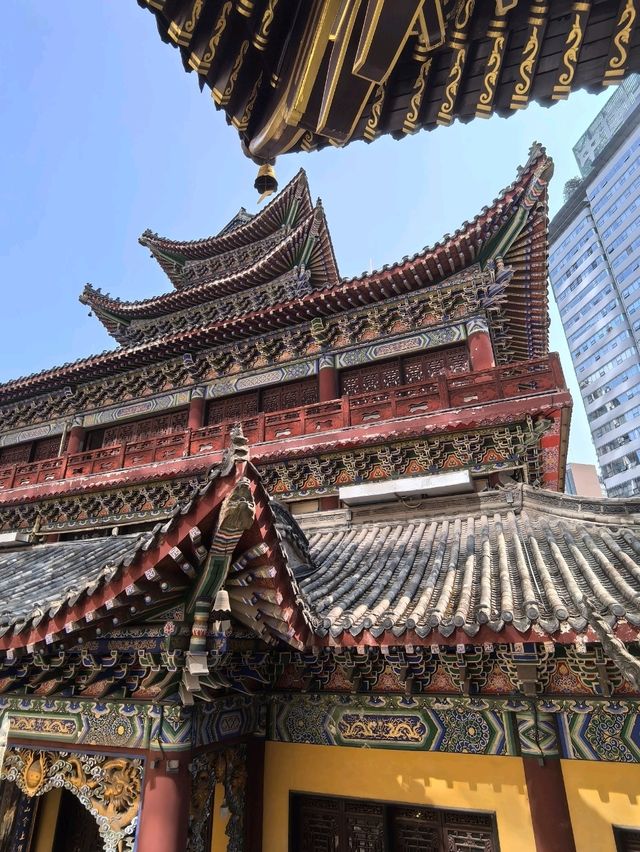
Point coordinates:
[(627, 839), (323, 824)]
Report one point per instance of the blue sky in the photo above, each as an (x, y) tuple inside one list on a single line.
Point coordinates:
[(104, 135)]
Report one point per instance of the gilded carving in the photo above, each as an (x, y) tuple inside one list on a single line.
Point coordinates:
[(411, 119), (371, 129), (109, 787), (619, 52), (570, 57), (203, 65)]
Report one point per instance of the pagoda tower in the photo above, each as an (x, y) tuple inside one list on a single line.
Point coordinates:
[(290, 568)]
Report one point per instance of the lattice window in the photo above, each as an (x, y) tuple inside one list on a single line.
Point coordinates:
[(316, 824), (627, 839), (373, 377), (408, 370), (428, 365), (46, 448), (290, 395), (322, 824), (233, 407), (140, 430), (17, 454)]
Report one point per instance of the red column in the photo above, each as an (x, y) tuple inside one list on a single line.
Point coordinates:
[(480, 346), (196, 412), (76, 440), (548, 803), (164, 818), (327, 378)]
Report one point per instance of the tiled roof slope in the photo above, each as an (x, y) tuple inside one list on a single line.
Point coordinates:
[(516, 562), (517, 557), (49, 572)]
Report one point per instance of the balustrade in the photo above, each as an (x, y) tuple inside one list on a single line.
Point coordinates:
[(455, 390)]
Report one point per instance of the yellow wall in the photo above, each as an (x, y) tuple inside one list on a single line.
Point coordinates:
[(417, 777), (601, 795), (219, 839)]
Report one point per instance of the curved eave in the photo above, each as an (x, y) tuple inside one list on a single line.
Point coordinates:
[(280, 259)]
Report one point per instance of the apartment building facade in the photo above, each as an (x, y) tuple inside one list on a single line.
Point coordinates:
[(594, 268)]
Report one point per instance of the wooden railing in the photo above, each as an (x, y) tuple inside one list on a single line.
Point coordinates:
[(444, 392)]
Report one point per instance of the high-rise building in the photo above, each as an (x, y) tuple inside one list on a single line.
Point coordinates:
[(595, 274), (582, 480)]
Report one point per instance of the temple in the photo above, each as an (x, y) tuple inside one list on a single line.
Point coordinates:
[(298, 76), (290, 568)]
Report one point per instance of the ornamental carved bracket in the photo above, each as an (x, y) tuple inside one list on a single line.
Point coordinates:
[(109, 787)]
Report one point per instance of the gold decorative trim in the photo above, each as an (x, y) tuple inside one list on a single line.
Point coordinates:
[(457, 42), (575, 38), (203, 64), (522, 89), (496, 32), (243, 122), (371, 128), (223, 98), (182, 34), (445, 114), (411, 119), (261, 38), (109, 787), (245, 7), (618, 55)]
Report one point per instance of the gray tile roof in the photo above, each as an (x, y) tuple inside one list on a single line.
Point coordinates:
[(526, 560), (39, 577)]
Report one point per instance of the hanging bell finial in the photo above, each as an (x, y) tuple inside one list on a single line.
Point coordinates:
[(266, 182)]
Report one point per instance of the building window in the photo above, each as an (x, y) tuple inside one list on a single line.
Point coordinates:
[(324, 824), (409, 370), (269, 399), (627, 839), (138, 430)]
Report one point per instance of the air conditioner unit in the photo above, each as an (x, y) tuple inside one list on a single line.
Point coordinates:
[(454, 482)]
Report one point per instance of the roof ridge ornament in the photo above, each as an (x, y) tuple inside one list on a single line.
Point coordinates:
[(613, 647)]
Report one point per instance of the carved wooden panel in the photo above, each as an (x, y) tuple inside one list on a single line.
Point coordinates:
[(322, 824), (140, 430), (290, 395), (408, 370), (428, 365), (46, 448), (373, 377), (17, 454), (233, 407)]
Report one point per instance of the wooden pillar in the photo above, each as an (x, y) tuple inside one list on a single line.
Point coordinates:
[(76, 440), (327, 378), (164, 818), (548, 803), (480, 346), (253, 816), (46, 821), (197, 407)]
